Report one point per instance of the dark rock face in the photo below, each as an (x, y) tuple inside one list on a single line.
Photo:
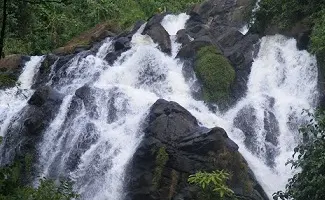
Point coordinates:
[(158, 34), (122, 43), (246, 121), (26, 128), (216, 22), (182, 37), (187, 148)]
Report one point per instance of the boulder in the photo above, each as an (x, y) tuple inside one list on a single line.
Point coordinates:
[(158, 34), (218, 22), (174, 146), (122, 43), (189, 50), (182, 37)]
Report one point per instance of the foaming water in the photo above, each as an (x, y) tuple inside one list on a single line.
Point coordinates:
[(283, 82), (98, 126), (14, 99)]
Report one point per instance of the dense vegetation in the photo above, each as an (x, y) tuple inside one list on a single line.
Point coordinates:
[(286, 13), (309, 160), (12, 186), (38, 26)]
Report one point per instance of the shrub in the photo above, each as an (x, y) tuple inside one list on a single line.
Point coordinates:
[(212, 184)]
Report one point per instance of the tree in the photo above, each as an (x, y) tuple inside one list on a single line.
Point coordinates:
[(3, 27)]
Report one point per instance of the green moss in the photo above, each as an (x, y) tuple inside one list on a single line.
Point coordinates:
[(7, 80), (216, 74), (161, 160)]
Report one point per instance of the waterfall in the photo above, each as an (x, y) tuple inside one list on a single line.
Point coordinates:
[(13, 99), (97, 128)]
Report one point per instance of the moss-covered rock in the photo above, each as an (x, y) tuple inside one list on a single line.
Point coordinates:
[(215, 73), (87, 38), (173, 147), (161, 160)]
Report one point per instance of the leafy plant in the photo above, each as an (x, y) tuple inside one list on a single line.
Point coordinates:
[(11, 187), (212, 183), (309, 160)]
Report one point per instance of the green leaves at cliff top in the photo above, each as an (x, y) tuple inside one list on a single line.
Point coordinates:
[(37, 28)]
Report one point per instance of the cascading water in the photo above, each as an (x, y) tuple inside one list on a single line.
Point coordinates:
[(12, 100), (97, 128)]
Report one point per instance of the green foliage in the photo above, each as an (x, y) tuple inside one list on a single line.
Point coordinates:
[(11, 187), (216, 74), (309, 160), (7, 80), (161, 160), (318, 33), (286, 13), (212, 183), (37, 28)]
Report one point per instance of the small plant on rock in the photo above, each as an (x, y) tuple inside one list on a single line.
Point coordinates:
[(213, 184)]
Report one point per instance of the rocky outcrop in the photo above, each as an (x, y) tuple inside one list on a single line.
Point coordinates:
[(87, 39), (21, 139), (175, 146), (217, 23), (300, 30), (158, 33)]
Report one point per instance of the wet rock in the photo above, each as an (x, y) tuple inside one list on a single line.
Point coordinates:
[(246, 121), (111, 57), (45, 95), (173, 133), (87, 95), (271, 126), (303, 40), (189, 51), (43, 74), (26, 129), (219, 21), (155, 19), (182, 37), (159, 35), (122, 43)]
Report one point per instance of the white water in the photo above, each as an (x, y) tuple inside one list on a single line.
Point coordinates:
[(244, 30), (12, 100), (104, 129)]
